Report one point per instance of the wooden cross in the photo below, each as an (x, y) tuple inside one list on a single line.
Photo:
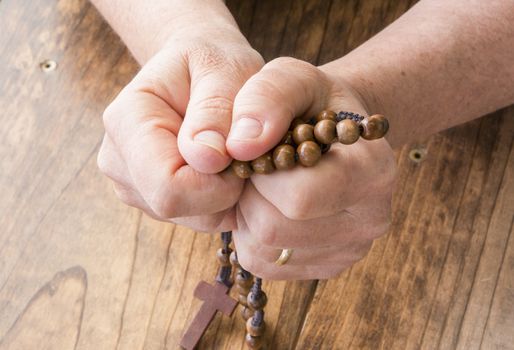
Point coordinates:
[(215, 298)]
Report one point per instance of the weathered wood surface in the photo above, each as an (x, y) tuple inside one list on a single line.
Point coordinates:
[(80, 270)]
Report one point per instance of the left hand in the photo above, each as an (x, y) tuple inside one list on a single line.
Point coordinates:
[(330, 213)]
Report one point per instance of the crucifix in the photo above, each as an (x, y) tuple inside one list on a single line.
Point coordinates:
[(215, 298), (305, 142)]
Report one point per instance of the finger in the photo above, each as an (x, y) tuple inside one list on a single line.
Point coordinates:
[(214, 84), (343, 177), (218, 222), (268, 101), (111, 164), (143, 127), (344, 255), (261, 263), (269, 227)]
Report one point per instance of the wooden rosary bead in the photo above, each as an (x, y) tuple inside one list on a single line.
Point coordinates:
[(244, 281), (325, 131), (283, 157), (348, 131), (263, 164), (256, 300), (296, 122), (246, 313), (374, 127), (243, 290), (287, 139), (309, 153), (242, 169), (223, 257), (242, 299), (323, 115), (302, 133), (253, 342), (255, 330)]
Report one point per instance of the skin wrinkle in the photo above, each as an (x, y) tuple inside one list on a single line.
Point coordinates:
[(440, 64)]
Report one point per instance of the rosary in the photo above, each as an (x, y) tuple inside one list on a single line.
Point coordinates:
[(304, 143)]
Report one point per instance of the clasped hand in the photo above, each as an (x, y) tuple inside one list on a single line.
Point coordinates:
[(197, 104)]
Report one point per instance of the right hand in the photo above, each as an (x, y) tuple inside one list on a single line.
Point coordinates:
[(165, 132)]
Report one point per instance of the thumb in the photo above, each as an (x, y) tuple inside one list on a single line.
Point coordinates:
[(269, 101), (203, 133)]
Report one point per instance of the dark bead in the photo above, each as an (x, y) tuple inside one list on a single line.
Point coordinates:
[(325, 131), (257, 300), (243, 289), (309, 153), (325, 148), (253, 342), (348, 132), (330, 115), (303, 132), (283, 157), (223, 257), (263, 164), (296, 122), (244, 281), (242, 298), (255, 330), (374, 127), (246, 312), (287, 139), (241, 169)]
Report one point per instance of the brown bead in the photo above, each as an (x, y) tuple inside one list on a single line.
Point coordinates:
[(323, 115), (296, 122), (223, 257), (303, 132), (283, 157), (374, 127), (325, 131), (257, 300), (348, 131), (243, 290), (246, 312), (263, 164), (287, 139), (242, 299), (255, 331), (242, 169), (309, 153), (253, 342), (241, 280)]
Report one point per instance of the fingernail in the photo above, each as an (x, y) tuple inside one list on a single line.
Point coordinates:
[(246, 128), (212, 139)]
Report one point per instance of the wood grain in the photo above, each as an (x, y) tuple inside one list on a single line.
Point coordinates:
[(80, 270)]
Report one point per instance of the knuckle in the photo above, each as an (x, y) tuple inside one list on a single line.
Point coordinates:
[(109, 118), (206, 56), (217, 104), (102, 162)]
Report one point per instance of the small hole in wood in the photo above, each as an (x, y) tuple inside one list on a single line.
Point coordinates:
[(48, 66), (417, 155)]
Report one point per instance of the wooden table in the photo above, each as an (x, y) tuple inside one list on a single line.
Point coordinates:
[(78, 269)]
